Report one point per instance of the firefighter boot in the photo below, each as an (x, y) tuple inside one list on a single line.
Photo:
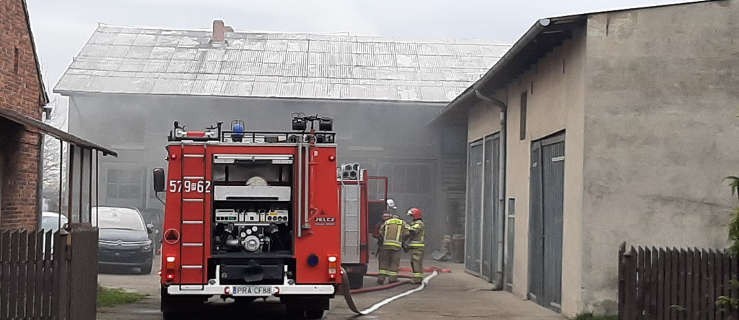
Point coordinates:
[(417, 265)]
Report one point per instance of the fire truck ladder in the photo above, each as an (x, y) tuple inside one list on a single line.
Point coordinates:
[(192, 217)]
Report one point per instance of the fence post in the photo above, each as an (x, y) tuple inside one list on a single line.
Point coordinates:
[(48, 289), (60, 301), (621, 280), (83, 267), (629, 265)]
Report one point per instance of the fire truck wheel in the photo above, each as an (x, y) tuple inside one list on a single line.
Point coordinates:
[(356, 280), (171, 305), (303, 312), (171, 316), (307, 308), (313, 314)]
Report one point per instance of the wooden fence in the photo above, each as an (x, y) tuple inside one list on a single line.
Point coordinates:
[(670, 283), (26, 276), (38, 282)]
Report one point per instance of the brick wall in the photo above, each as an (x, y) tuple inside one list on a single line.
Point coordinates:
[(20, 91)]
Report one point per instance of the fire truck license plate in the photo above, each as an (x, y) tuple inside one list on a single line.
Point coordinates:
[(258, 291)]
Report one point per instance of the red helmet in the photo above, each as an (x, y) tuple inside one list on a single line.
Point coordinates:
[(415, 213)]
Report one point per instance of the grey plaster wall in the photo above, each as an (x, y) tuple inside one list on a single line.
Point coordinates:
[(387, 138), (661, 133)]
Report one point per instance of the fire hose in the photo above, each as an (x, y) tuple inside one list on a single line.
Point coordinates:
[(353, 307)]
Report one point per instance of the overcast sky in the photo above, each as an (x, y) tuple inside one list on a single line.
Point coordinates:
[(61, 27)]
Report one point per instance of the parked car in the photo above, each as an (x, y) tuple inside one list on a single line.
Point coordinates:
[(50, 221), (123, 239), (154, 217)]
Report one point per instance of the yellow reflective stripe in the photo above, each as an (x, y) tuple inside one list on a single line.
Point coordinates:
[(418, 274), (392, 243), (383, 272), (392, 273), (416, 245)]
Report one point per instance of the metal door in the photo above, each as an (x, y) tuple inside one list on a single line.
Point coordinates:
[(474, 204), (546, 215), (491, 223)]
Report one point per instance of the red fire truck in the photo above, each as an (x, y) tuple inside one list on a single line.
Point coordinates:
[(260, 214)]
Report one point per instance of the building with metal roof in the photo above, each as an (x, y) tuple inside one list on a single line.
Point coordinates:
[(127, 85)]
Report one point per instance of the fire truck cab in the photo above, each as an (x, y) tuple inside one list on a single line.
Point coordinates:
[(254, 214)]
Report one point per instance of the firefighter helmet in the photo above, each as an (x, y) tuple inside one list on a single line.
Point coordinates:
[(391, 203), (415, 213)]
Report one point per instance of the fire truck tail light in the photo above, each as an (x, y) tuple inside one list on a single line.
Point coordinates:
[(170, 268), (332, 267)]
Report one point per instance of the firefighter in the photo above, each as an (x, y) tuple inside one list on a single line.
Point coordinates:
[(416, 243), (376, 234), (393, 231), (391, 207)]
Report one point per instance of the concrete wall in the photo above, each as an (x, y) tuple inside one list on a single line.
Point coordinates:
[(483, 119), (555, 103), (661, 132), (387, 138)]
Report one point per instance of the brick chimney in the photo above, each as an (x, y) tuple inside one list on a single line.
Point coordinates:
[(219, 31)]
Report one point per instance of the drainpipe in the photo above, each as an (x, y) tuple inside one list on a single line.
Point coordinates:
[(500, 238)]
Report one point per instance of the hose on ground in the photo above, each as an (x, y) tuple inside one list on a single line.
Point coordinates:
[(353, 307)]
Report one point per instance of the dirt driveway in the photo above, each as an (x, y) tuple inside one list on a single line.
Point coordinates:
[(455, 295)]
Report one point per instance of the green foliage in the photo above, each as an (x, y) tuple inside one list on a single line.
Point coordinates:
[(724, 302), (590, 316), (108, 297), (734, 223), (734, 184)]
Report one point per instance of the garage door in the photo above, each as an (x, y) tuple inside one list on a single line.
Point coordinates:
[(484, 224), (546, 212)]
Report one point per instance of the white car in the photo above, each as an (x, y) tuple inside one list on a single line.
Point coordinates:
[(50, 221)]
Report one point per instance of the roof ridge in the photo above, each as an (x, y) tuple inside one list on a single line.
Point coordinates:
[(381, 38)]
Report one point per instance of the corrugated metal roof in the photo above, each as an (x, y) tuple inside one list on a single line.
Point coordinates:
[(287, 65)]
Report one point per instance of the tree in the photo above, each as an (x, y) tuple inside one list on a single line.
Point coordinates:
[(52, 154)]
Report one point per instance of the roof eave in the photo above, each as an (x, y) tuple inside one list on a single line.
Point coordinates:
[(54, 132), (490, 81), (44, 94)]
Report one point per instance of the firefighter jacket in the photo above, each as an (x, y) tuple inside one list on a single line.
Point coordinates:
[(393, 231), (417, 233)]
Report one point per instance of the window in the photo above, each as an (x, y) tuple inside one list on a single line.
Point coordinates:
[(522, 126), (124, 184), (408, 178)]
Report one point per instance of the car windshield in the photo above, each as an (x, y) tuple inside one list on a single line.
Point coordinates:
[(117, 218)]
